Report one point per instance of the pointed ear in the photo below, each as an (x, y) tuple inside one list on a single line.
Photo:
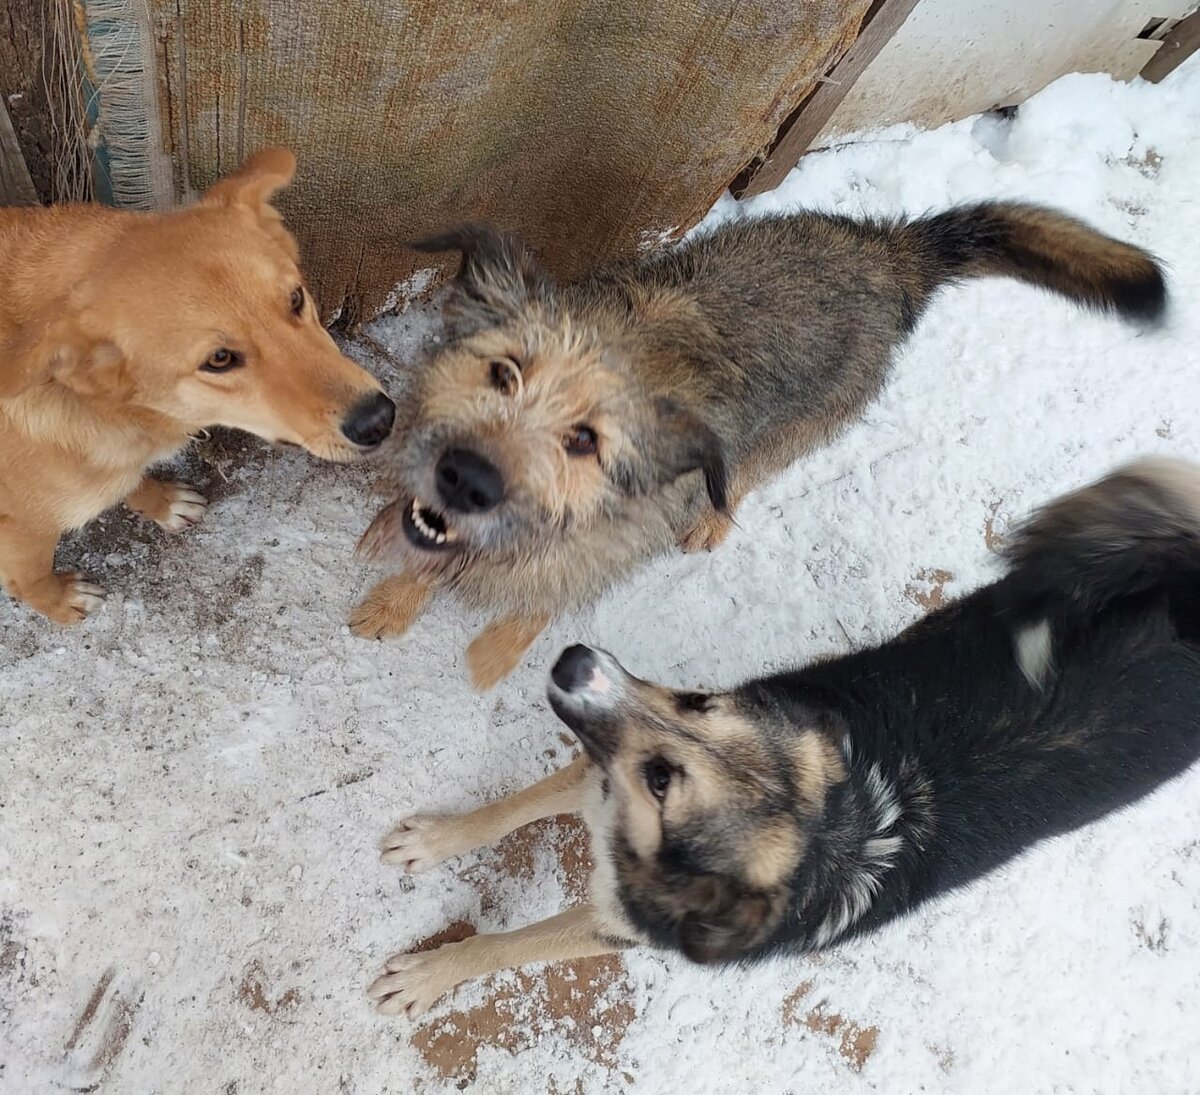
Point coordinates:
[(726, 921), (92, 367), (497, 276), (675, 442), (252, 186), (256, 182)]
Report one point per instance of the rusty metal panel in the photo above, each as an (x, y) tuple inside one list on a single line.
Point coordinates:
[(590, 128)]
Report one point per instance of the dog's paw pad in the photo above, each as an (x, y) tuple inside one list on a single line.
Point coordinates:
[(184, 508), (413, 983), (422, 842), (707, 533)]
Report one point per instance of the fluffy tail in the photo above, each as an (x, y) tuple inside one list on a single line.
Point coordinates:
[(1041, 247), (1134, 531)]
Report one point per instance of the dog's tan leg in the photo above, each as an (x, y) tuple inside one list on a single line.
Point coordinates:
[(391, 607), (171, 506), (27, 570), (423, 841), (414, 981), (496, 651), (761, 465)]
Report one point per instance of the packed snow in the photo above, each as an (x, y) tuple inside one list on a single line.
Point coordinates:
[(193, 784)]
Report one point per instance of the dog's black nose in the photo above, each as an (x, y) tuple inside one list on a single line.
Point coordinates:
[(574, 668), (467, 482), (370, 420)]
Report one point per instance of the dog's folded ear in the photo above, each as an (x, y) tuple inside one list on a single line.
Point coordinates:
[(496, 279), (674, 442), (252, 186), (90, 366), (66, 354), (725, 920)]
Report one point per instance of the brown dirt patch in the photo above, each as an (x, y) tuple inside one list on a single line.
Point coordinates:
[(933, 595), (91, 1007), (854, 1042), (101, 1031), (454, 932), (585, 1003), (515, 857), (253, 992), (993, 537)]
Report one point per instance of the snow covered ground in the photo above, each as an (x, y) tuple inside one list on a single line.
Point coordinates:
[(192, 786)]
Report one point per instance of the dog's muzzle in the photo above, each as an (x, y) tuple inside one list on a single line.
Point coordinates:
[(586, 690)]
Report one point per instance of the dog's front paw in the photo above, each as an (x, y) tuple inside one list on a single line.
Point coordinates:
[(415, 982), (171, 506), (185, 508), (490, 661), (425, 841), (390, 608), (707, 533), (67, 598), (497, 650)]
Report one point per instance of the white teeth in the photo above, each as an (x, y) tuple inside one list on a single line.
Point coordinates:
[(449, 536)]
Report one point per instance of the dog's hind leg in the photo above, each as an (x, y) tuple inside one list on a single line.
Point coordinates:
[(425, 840), (171, 506), (391, 607), (772, 456), (496, 651), (27, 570), (414, 981)]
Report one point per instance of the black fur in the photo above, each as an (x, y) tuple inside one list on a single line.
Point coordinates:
[(981, 763)]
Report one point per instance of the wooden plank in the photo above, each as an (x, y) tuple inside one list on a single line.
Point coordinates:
[(24, 29), (592, 129), (1180, 43), (16, 187), (803, 125)]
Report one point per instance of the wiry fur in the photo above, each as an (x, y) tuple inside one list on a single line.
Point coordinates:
[(806, 807), (703, 372)]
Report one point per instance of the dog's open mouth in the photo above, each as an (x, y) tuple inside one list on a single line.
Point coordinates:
[(426, 528)]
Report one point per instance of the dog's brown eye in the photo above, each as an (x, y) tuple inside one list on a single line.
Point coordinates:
[(221, 361), (658, 778), (297, 301), (580, 441), (505, 375)]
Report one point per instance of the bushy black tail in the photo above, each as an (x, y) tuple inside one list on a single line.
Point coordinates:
[(1134, 531), (1042, 247)]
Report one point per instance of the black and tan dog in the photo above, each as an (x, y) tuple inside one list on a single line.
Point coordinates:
[(566, 435), (801, 809)]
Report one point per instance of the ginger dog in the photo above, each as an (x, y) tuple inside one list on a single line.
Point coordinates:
[(564, 436), (122, 334)]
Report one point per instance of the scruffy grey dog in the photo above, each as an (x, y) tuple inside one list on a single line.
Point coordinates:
[(565, 435)]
